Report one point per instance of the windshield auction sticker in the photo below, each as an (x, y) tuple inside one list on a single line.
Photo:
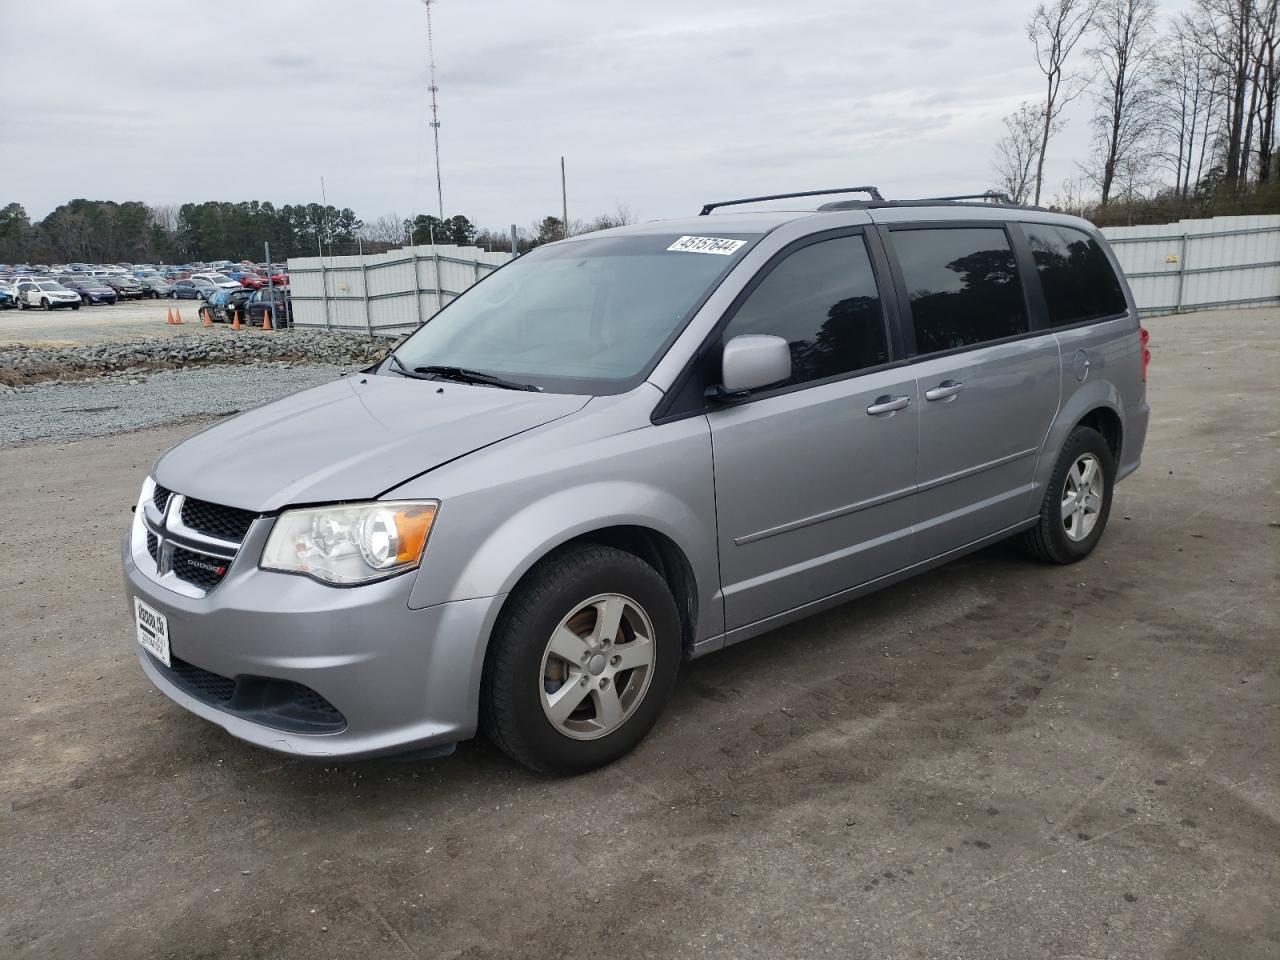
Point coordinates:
[(706, 245)]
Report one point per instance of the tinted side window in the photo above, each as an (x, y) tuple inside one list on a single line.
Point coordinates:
[(963, 284), (1078, 281), (823, 301)]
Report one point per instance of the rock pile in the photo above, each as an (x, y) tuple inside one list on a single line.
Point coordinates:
[(32, 364)]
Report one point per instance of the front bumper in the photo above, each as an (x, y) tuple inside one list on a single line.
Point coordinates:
[(405, 680)]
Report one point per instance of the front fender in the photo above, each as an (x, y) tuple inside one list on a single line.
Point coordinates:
[(512, 547)]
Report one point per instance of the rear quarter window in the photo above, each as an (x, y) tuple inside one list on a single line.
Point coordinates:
[(963, 286), (1078, 280)]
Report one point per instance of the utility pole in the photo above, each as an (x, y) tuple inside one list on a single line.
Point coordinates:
[(564, 202), (435, 110)]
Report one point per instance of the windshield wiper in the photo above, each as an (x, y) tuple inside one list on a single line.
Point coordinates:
[(405, 371), (463, 375)]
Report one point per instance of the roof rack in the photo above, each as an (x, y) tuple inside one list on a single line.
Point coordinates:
[(998, 196), (872, 191)]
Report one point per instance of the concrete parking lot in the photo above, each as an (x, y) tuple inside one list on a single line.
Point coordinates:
[(997, 760)]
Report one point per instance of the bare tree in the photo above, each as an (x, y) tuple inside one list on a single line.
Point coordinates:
[(1184, 104), (1226, 30), (621, 217), (1267, 84), (388, 228), (1017, 150), (1124, 57), (1054, 29)]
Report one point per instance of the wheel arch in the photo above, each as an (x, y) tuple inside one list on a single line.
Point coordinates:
[(657, 550), (1095, 404)]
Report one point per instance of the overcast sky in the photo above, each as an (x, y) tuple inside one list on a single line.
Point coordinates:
[(659, 105)]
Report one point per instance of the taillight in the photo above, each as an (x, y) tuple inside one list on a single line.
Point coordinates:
[(1144, 337)]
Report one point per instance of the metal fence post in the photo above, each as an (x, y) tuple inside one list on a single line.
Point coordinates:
[(417, 284), (1182, 273), (324, 290), (435, 255), (364, 292)]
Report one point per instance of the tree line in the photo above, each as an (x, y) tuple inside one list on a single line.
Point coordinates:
[(104, 231), (1183, 109)]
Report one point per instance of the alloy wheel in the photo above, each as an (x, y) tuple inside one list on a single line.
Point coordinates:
[(597, 666), (1082, 497)]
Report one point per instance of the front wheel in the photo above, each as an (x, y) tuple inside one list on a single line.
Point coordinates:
[(75, 306), (1077, 501), (582, 661), (44, 304)]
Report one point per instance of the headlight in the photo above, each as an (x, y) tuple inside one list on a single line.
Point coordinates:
[(353, 543)]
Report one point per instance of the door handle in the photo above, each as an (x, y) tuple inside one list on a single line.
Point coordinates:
[(944, 391), (888, 404)]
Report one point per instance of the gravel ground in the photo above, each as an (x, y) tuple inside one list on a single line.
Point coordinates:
[(90, 324), (107, 405)]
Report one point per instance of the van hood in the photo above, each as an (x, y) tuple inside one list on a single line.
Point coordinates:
[(351, 439)]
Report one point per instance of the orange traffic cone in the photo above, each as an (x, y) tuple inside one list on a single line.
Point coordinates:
[(169, 316), (177, 316), (266, 320), (206, 317), (235, 318)]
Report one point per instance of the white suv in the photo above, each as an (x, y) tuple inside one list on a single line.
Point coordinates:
[(46, 294)]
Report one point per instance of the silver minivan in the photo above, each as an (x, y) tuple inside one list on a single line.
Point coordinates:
[(629, 448)]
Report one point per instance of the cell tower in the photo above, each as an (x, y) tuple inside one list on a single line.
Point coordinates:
[(435, 110)]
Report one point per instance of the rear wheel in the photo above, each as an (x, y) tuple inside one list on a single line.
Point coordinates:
[(1077, 501), (582, 661)]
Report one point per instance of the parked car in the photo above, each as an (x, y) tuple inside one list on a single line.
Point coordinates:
[(125, 286), (514, 522), (224, 304), (218, 280), (261, 303), (8, 295), (90, 289), (195, 288), (248, 279), (154, 285), (47, 295)]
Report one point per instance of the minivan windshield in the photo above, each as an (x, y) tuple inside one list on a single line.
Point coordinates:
[(588, 316)]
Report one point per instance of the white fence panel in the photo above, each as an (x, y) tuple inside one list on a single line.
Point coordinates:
[(1201, 264), (384, 293)]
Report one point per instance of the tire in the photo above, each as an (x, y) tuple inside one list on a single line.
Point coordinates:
[(75, 306), (22, 304), (1068, 539), (516, 690), (44, 304)]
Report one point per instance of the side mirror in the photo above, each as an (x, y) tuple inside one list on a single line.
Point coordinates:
[(753, 360)]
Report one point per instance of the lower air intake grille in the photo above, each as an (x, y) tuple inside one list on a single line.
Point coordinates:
[(281, 704)]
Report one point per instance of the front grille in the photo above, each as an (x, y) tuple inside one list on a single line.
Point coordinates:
[(204, 571), (282, 704), (215, 520), (194, 540)]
